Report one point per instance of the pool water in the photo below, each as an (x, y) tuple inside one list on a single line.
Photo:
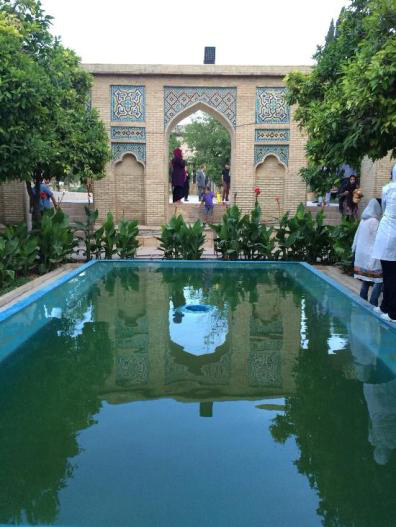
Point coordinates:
[(273, 404)]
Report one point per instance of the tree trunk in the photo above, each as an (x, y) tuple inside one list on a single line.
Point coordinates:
[(35, 197), (28, 216)]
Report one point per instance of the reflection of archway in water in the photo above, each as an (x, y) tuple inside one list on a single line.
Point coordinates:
[(198, 333), (197, 107), (270, 178), (198, 341), (129, 183)]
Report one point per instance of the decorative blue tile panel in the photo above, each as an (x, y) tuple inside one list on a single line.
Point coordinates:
[(127, 103), (136, 134), (137, 149), (272, 135), (177, 99), (280, 151), (271, 106)]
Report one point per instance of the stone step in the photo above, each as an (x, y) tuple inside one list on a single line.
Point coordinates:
[(192, 212), (331, 214)]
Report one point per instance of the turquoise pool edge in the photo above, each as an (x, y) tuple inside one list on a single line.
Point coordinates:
[(18, 306)]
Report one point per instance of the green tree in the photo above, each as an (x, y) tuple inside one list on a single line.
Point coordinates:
[(347, 104), (174, 142), (47, 126), (211, 145)]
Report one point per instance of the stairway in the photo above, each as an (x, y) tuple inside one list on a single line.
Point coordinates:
[(332, 214), (192, 212), (75, 211)]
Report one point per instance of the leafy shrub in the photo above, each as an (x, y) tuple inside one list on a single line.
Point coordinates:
[(245, 236), (8, 249), (55, 239), (25, 258), (126, 239), (180, 241), (229, 239), (342, 239), (88, 230), (304, 238), (105, 238), (257, 241), (193, 239)]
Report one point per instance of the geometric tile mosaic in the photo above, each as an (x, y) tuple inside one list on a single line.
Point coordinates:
[(177, 99), (264, 368), (262, 151), (127, 103), (135, 134), (137, 149), (272, 135), (271, 106)]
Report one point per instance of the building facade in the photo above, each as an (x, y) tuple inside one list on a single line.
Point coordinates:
[(141, 105)]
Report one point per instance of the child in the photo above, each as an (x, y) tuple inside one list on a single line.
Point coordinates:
[(207, 200)]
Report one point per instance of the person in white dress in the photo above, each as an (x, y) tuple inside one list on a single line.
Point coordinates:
[(385, 249), (366, 268)]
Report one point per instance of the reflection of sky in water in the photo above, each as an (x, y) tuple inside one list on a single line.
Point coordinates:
[(336, 341), (79, 323), (79, 326), (199, 333)]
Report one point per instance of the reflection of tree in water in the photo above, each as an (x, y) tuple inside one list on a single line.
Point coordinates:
[(328, 418), (128, 278), (44, 403)]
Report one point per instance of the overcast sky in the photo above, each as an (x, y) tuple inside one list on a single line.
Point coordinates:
[(262, 32)]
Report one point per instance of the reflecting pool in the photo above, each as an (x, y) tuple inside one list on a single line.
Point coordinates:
[(197, 395)]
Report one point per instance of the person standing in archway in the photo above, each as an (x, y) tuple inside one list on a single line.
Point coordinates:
[(226, 182), (187, 185), (201, 181), (178, 175), (385, 249)]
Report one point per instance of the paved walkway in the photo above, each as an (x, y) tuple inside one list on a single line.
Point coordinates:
[(336, 274)]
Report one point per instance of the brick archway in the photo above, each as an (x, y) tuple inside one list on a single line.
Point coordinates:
[(141, 104)]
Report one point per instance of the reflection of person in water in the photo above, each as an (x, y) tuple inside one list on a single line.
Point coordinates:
[(178, 300), (381, 405), (379, 386)]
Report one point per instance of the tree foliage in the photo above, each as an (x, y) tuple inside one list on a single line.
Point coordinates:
[(211, 145), (47, 125), (174, 142), (347, 104)]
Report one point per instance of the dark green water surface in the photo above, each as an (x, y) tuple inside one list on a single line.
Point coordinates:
[(273, 405)]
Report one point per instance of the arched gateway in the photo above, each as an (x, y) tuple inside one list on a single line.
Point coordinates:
[(141, 104)]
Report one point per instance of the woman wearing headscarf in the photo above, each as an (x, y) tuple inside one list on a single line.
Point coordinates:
[(385, 248), (178, 175), (350, 208), (366, 268)]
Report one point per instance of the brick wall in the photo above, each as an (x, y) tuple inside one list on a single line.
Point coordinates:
[(12, 208), (270, 178), (374, 175)]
